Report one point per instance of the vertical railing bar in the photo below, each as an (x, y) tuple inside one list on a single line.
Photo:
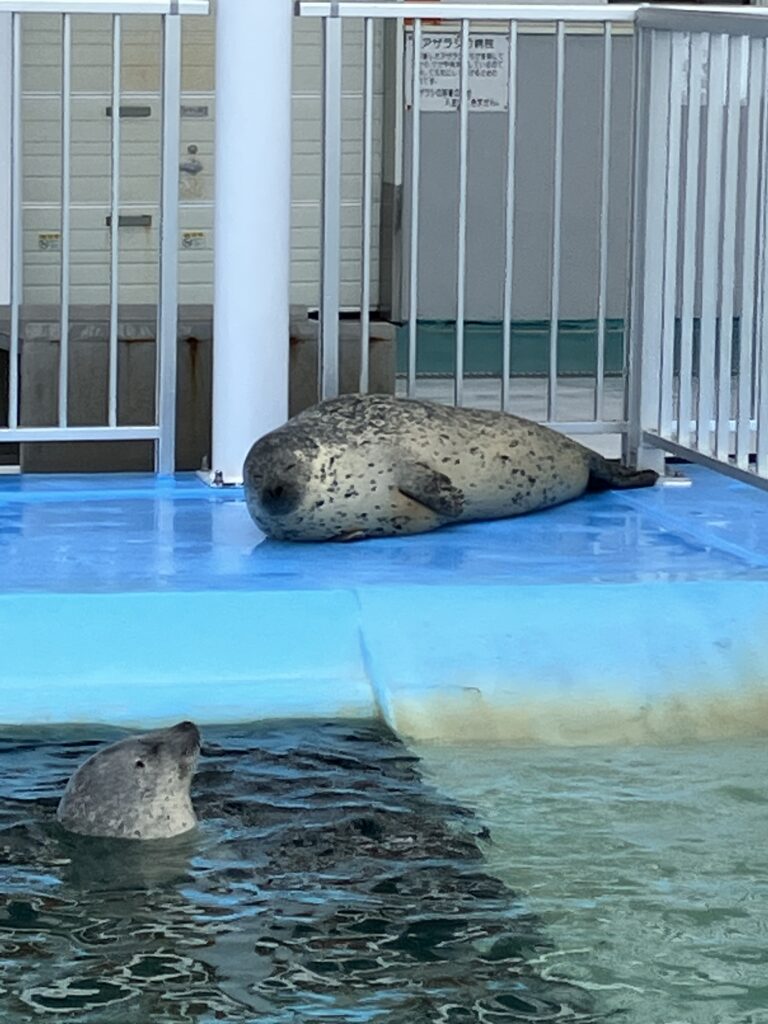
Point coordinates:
[(710, 261), (605, 167), (646, 250), (509, 223), (671, 202), (750, 72), (330, 263), (690, 232), (365, 262), (167, 307), (730, 199), (761, 354), (461, 247), (557, 204), (762, 237), (634, 326), (114, 255), (17, 225), (413, 254), (66, 154)]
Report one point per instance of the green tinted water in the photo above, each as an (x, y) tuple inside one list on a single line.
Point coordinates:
[(328, 883), (529, 347), (577, 344), (325, 884), (648, 867)]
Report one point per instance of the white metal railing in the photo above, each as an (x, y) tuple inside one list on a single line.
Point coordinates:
[(461, 17), (699, 338), (162, 429), (698, 228)]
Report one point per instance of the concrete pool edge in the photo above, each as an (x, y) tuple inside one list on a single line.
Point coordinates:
[(580, 663)]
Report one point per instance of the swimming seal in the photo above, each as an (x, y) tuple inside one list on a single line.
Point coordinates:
[(376, 466), (137, 788)]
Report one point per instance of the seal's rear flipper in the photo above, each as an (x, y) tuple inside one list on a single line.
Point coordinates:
[(610, 475), (434, 490)]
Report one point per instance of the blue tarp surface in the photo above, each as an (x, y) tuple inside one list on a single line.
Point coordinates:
[(133, 599)]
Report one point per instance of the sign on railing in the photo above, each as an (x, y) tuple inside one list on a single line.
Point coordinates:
[(440, 70)]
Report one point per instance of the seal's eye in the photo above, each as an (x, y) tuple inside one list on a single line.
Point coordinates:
[(139, 764)]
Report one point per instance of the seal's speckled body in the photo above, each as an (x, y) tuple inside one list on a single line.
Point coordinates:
[(376, 466), (137, 788)]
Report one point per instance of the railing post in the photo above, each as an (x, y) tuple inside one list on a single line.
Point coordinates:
[(6, 122), (330, 268), (252, 228), (16, 247), (168, 303), (651, 96)]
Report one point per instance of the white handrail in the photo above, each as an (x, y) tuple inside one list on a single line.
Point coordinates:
[(748, 21), (393, 9), (104, 7), (751, 21)]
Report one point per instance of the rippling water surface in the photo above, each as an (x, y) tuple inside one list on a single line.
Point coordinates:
[(648, 869), (327, 883)]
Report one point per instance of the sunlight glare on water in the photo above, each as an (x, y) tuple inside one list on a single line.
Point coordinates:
[(647, 866)]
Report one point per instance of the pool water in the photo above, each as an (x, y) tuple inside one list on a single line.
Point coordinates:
[(327, 882), (648, 868)]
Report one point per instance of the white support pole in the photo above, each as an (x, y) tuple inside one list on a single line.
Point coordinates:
[(252, 228)]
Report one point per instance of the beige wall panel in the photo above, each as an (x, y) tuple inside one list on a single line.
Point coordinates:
[(196, 254), (90, 257), (140, 149)]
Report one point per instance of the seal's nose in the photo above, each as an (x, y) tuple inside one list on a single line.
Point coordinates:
[(279, 496), (190, 731)]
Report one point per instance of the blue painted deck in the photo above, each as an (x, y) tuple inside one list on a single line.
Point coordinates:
[(620, 617)]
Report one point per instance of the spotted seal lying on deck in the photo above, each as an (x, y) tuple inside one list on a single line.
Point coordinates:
[(137, 788), (376, 466)]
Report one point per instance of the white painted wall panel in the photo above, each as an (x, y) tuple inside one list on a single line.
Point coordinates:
[(91, 132)]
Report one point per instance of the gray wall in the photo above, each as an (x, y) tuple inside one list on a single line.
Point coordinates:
[(88, 381), (533, 203)]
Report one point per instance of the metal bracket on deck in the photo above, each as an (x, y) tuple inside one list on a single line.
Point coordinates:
[(215, 478), (674, 478)]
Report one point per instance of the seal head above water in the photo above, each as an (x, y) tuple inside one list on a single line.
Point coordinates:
[(137, 788), (376, 466)]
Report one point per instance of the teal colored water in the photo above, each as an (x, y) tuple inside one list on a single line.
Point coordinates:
[(529, 347), (648, 868), (577, 343), (336, 878), (325, 883)]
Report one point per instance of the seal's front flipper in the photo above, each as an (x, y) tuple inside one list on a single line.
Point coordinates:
[(608, 475), (434, 490)]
